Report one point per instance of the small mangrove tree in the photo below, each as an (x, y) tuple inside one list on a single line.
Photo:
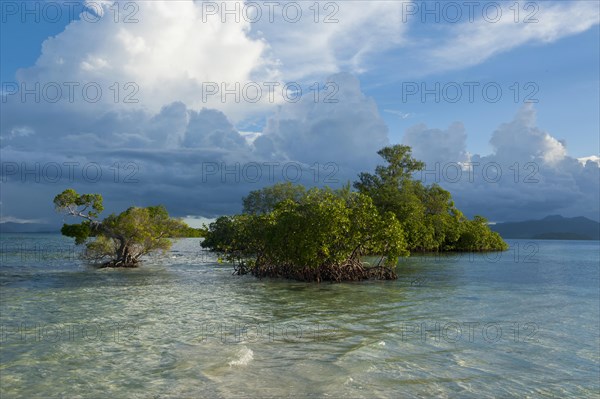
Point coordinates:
[(118, 240)]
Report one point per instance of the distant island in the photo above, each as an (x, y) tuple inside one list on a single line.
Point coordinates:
[(554, 227), (13, 227)]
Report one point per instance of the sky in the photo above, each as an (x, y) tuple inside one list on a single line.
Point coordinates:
[(192, 104)]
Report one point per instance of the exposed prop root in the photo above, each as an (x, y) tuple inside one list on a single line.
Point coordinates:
[(120, 263), (351, 270)]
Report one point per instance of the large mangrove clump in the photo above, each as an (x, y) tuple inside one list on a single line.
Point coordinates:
[(324, 234), (320, 237)]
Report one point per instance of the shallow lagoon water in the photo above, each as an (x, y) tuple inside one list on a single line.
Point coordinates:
[(523, 323)]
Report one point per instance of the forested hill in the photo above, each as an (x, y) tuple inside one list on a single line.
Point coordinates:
[(553, 227)]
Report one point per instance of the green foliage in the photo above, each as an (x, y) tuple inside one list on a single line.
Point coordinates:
[(477, 236), (264, 200), (401, 166), (122, 238), (101, 249), (285, 230), (80, 232), (322, 229), (322, 233), (76, 204), (220, 235), (427, 213), (191, 232)]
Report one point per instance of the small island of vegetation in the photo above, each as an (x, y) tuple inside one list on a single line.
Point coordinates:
[(323, 234)]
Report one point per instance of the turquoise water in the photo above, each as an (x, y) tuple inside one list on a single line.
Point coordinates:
[(523, 323)]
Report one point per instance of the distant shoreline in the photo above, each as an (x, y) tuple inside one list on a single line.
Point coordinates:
[(416, 252)]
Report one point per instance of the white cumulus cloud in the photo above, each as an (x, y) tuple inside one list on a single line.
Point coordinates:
[(528, 175)]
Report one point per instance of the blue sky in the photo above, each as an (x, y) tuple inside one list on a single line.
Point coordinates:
[(566, 73), (167, 53)]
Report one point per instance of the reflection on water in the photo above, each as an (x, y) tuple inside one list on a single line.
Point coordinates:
[(524, 322)]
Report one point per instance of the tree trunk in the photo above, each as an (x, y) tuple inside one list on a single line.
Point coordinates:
[(124, 257)]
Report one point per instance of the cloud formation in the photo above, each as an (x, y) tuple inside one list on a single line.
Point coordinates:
[(204, 50), (529, 174), (471, 43), (435, 145), (177, 146), (196, 162)]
